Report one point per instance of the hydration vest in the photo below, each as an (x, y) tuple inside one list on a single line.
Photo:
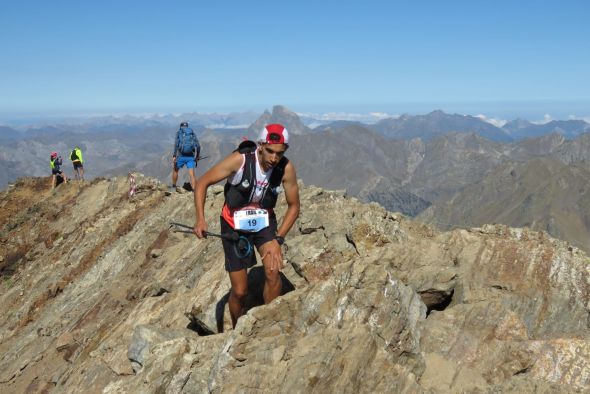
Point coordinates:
[(55, 164), (240, 195), (187, 142), (76, 155)]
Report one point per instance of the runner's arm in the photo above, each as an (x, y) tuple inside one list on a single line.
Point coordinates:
[(219, 172), (292, 196), (273, 249)]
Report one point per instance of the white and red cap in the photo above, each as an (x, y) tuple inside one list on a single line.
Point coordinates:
[(274, 134), (54, 154)]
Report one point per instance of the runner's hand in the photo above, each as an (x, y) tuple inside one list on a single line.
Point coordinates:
[(274, 253), (200, 229)]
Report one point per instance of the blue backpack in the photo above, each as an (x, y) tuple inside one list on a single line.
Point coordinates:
[(188, 143)]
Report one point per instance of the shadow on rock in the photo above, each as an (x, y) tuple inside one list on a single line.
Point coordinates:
[(255, 294)]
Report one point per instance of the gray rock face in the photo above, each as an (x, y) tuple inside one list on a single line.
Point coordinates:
[(99, 293), (280, 115), (393, 197)]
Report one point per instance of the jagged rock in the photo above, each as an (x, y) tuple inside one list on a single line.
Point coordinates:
[(56, 288), (120, 364), (143, 338), (64, 341), (156, 253), (197, 322), (372, 302), (305, 340), (519, 297)]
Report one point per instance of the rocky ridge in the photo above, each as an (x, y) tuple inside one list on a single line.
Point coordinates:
[(98, 292)]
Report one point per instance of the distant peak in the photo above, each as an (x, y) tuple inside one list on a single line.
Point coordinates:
[(281, 109)]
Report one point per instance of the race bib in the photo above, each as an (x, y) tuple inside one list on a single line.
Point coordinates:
[(251, 220)]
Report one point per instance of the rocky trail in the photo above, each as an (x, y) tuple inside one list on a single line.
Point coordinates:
[(99, 294)]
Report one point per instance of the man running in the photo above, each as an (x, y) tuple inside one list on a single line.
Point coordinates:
[(254, 180), (186, 152)]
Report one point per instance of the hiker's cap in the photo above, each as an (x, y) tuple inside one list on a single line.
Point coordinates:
[(184, 124), (274, 134), (53, 154)]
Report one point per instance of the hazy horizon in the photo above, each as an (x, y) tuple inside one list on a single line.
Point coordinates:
[(534, 111)]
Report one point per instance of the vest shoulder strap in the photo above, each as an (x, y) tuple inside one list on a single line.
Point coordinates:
[(250, 168)]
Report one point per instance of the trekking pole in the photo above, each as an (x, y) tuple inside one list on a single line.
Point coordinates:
[(188, 231), (242, 246)]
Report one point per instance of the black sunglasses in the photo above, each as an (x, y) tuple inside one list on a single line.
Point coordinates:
[(274, 137)]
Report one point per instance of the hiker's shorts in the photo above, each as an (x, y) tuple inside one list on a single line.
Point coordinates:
[(55, 171), (77, 165), (232, 261), (188, 160)]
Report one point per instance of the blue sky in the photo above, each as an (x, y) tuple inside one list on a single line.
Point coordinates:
[(141, 56)]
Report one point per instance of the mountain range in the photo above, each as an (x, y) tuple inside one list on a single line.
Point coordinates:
[(446, 169), (436, 123), (520, 129), (542, 193)]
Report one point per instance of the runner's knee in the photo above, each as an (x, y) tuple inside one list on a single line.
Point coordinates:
[(240, 292), (272, 277)]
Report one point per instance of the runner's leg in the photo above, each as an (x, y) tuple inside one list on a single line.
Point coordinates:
[(238, 293), (191, 172), (174, 175), (272, 283)]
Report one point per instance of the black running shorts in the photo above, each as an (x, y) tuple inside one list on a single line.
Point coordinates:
[(232, 261)]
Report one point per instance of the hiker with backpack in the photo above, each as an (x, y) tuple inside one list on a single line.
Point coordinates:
[(256, 173), (186, 152), (55, 162), (78, 162)]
